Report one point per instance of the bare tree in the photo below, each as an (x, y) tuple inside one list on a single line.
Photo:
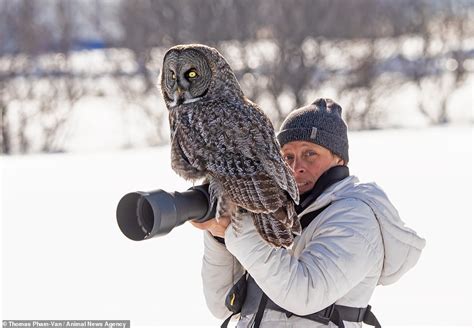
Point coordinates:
[(41, 86), (453, 33), (439, 69)]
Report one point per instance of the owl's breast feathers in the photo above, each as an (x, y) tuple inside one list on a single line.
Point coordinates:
[(183, 159)]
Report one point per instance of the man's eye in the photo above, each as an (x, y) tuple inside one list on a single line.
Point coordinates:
[(288, 158), (310, 153)]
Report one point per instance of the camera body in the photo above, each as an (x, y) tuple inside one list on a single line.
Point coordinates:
[(143, 215)]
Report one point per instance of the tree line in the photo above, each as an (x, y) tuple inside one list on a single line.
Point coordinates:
[(284, 52)]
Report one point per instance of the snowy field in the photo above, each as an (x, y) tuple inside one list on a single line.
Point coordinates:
[(63, 256)]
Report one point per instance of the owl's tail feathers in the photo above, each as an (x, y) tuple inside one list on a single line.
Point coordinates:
[(295, 220), (213, 189), (277, 228)]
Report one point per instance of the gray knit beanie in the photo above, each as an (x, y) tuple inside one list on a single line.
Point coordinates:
[(321, 123)]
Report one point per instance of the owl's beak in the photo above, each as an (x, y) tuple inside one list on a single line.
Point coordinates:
[(178, 97)]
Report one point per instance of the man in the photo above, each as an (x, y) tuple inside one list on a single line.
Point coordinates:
[(352, 239)]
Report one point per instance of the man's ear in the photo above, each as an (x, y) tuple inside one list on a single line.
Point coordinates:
[(339, 161)]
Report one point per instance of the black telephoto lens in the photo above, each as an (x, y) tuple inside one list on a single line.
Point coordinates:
[(142, 215)]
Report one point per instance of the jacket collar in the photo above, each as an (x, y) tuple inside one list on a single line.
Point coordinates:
[(327, 179)]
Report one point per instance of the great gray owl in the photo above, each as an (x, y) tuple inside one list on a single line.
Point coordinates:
[(220, 135)]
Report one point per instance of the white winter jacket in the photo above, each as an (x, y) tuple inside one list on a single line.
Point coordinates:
[(356, 243)]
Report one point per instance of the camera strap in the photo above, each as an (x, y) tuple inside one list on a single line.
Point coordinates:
[(235, 298)]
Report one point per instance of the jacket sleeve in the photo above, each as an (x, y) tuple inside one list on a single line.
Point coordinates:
[(220, 271), (339, 251)]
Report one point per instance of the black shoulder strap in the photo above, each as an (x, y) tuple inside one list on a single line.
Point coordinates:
[(226, 321), (258, 316), (261, 309)]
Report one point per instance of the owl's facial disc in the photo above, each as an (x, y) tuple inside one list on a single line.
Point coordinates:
[(187, 77), (183, 93), (181, 84)]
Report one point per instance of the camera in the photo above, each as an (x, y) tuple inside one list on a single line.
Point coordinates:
[(143, 215)]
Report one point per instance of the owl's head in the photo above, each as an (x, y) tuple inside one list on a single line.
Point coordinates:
[(193, 73)]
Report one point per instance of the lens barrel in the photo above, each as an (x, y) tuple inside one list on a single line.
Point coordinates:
[(143, 215)]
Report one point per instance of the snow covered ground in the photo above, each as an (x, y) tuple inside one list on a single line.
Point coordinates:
[(63, 256)]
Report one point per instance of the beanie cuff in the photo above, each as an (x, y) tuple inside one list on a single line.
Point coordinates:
[(299, 134)]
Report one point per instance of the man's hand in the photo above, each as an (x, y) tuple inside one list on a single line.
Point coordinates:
[(215, 227)]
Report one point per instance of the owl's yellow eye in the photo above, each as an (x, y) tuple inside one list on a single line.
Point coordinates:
[(173, 76), (192, 74)]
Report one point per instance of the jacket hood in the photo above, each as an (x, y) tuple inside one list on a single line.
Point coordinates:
[(402, 246)]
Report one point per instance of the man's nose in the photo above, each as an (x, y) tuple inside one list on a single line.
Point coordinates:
[(297, 167)]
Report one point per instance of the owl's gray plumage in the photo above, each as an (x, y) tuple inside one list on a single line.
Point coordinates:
[(219, 134)]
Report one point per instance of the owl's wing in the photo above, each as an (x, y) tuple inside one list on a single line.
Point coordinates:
[(268, 152), (247, 162)]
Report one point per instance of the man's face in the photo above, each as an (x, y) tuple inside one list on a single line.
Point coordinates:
[(308, 162)]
